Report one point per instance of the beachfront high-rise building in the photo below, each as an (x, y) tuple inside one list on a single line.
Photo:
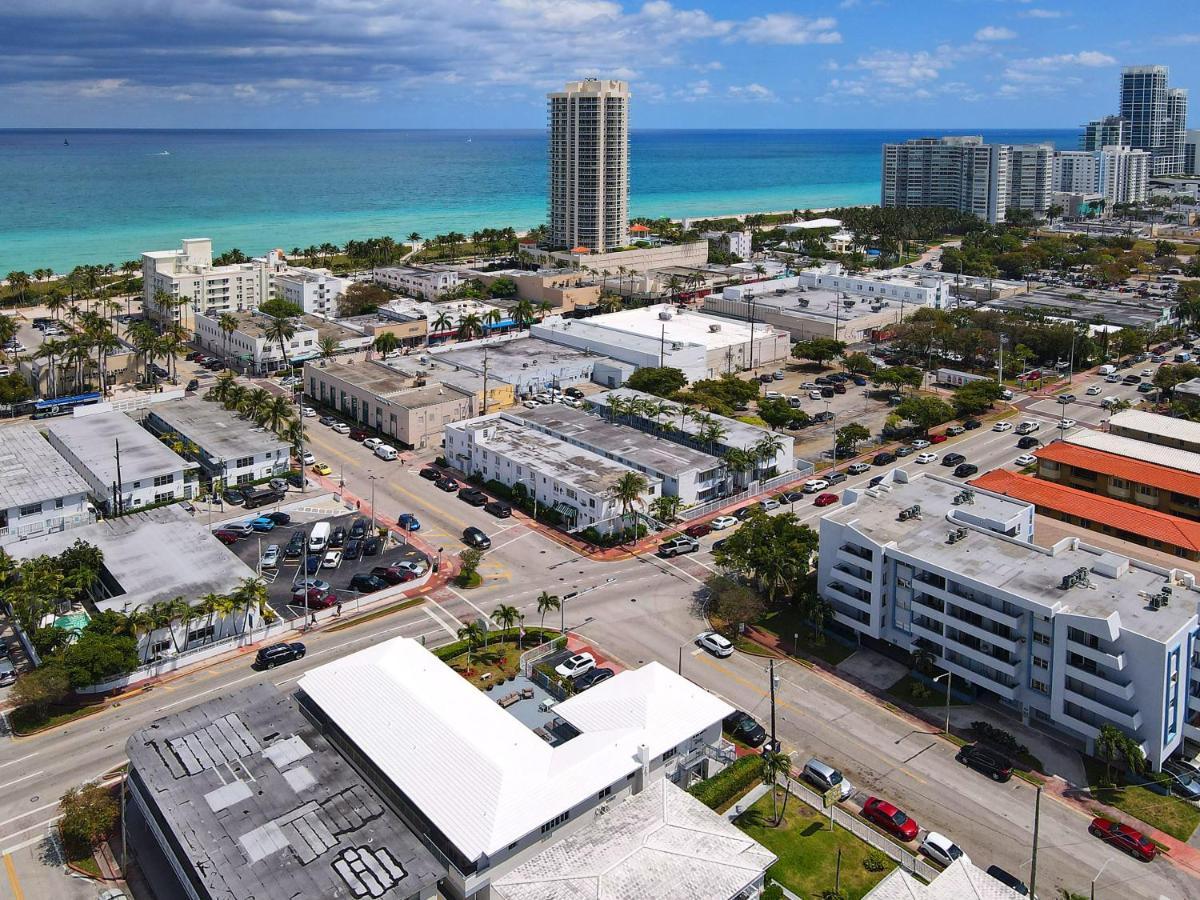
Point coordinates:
[(1156, 115), (1111, 131), (177, 284), (589, 165), (1030, 173), (1120, 174), (960, 172), (1191, 153)]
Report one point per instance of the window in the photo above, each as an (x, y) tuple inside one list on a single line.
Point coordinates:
[(1039, 686), (556, 821), (604, 793), (164, 497), (160, 480), (58, 502), (31, 509), (201, 634), (1039, 663), (243, 461), (669, 754), (1039, 638)]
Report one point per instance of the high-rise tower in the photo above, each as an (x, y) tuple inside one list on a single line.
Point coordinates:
[(1156, 116)]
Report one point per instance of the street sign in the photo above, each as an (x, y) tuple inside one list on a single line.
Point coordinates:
[(830, 797)]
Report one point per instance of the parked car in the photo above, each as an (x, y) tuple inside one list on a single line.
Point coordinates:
[(393, 574), (278, 654), (920, 444), (926, 458), (262, 523), (408, 522), (954, 431), (417, 567), (768, 503), (1009, 880), (591, 678), (744, 513), (720, 523), (891, 819), (446, 483), (366, 583), (332, 559), (1002, 426), (1067, 398), (297, 479), (700, 529), (904, 451), (474, 537), (941, 849), (341, 428), (966, 470), (1025, 459), (227, 536), (815, 485), (574, 393), (1123, 836), (714, 643), (1028, 443), (678, 545), (972, 424), (354, 548), (883, 459), (576, 665), (1028, 427), (741, 726), (987, 761), (498, 508), (825, 500), (327, 421), (1185, 781), (858, 468), (371, 546), (835, 477), (1066, 423), (429, 473), (825, 777), (473, 496), (270, 557), (953, 459), (233, 497), (362, 435)]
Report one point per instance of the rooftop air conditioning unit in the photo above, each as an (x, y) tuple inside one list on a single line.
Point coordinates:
[(665, 315), (714, 327)]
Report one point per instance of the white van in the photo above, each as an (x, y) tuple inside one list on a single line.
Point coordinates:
[(1106, 370), (319, 537), (383, 451)]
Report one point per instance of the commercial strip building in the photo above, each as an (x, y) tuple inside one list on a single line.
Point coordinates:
[(154, 556), (528, 363), (687, 473), (249, 348), (1093, 307), (589, 165), (692, 254), (966, 174), (807, 313), (229, 449), (565, 289), (491, 394), (713, 434), (1126, 521), (574, 482), (482, 789), (123, 464), (412, 411), (1152, 428), (702, 346), (1071, 637), (410, 328), (1171, 491), (425, 282), (39, 491), (242, 796)]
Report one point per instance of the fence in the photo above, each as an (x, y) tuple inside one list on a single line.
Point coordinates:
[(907, 860), (761, 487)]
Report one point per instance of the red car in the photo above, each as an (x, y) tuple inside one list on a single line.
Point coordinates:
[(317, 599), (226, 537), (890, 819), (700, 529), (1128, 839), (937, 439), (825, 499)]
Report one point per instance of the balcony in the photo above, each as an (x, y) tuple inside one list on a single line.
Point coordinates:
[(982, 657), (851, 574), (1122, 691), (840, 591), (983, 634), (1104, 711), (853, 556), (919, 630), (857, 623), (1111, 660), (981, 679), (982, 609)]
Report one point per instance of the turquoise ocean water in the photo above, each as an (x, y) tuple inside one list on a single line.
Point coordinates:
[(105, 196)]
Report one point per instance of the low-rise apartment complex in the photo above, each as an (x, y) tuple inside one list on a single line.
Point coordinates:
[(1072, 636), (248, 347), (1152, 428), (425, 282), (124, 465), (413, 411), (179, 284), (39, 491)]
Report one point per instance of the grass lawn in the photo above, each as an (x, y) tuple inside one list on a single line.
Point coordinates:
[(786, 624), (1175, 816), (808, 850), (86, 864), (903, 690), (379, 613), (25, 721)]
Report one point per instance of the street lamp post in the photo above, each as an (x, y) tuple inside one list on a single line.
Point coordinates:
[(372, 479), (774, 682), (949, 676), (1098, 874)]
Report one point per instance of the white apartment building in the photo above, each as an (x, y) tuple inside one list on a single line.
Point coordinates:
[(482, 789), (900, 286), (194, 285), (589, 165), (39, 491), (426, 283), (123, 464), (316, 291), (248, 347), (961, 173), (1030, 174), (1071, 637), (575, 482), (738, 243), (1118, 174)]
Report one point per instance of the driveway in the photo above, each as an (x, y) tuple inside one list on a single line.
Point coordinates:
[(872, 668)]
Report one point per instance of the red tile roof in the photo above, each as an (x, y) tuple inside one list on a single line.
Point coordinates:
[(1111, 464), (1096, 508)]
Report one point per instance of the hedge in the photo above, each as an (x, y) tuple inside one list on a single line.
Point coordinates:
[(533, 637), (729, 783)]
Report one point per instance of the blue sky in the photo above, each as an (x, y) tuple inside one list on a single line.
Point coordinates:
[(488, 63)]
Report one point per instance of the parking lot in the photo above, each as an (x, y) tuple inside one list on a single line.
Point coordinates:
[(288, 574)]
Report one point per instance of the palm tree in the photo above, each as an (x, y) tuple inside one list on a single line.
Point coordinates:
[(414, 238), (766, 449), (228, 324), (294, 434), (329, 346), (775, 765), (255, 404), (1108, 746), (386, 343), (739, 462), (666, 507), (493, 318), (712, 433), (442, 322), (469, 325), (547, 602), (628, 491), (616, 407), (277, 413), (544, 309), (235, 396), (224, 607), (473, 636), (505, 616), (19, 282), (523, 312), (250, 594), (221, 386), (281, 329)]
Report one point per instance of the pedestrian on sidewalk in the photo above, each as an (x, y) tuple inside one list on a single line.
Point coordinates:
[(338, 609)]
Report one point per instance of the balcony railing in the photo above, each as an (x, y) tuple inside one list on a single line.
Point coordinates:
[(1132, 721), (1112, 660)]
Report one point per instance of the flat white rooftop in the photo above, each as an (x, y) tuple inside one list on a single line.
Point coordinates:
[(480, 776), (645, 326), (1171, 457), (94, 440), (31, 471), (1153, 423)]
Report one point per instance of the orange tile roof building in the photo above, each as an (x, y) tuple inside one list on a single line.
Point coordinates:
[(1174, 492), (1127, 521)]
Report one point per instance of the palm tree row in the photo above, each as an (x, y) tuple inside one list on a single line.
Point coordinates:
[(249, 598), (83, 353)]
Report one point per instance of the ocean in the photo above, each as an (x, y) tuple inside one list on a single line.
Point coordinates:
[(98, 196)]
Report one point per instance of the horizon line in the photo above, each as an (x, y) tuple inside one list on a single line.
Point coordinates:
[(71, 128)]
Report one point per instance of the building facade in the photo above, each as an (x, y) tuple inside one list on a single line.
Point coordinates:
[(589, 165), (1156, 115), (960, 173), (736, 243), (1110, 131), (248, 348), (1030, 178), (179, 284), (1118, 174), (39, 491), (424, 282), (316, 291), (1073, 637), (1152, 428)]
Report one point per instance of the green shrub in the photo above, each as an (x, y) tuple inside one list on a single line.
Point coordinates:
[(772, 892), (876, 861), (730, 782)]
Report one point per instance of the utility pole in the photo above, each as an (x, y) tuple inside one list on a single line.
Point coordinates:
[(485, 380), (774, 743), (118, 506), (1037, 812)]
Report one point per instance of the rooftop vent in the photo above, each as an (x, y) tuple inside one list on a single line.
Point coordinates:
[(714, 327), (665, 315)]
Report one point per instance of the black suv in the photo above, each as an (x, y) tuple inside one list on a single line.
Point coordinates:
[(953, 459), (742, 726), (295, 545), (972, 424), (987, 761), (882, 459), (338, 538), (365, 583), (474, 496), (446, 483), (591, 678), (277, 654), (359, 528), (499, 509), (966, 470), (1028, 442), (475, 537)]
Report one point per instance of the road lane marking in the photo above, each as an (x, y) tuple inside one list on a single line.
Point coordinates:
[(469, 603), (513, 541), (445, 612), (450, 631), (21, 759), (11, 871), (23, 778), (29, 813)]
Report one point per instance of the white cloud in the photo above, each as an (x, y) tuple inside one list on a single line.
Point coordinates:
[(994, 33), (752, 91), (1038, 13), (785, 28)]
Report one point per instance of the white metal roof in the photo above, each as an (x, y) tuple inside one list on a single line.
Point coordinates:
[(478, 774), (1153, 423), (1171, 457), (961, 881), (661, 843)]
